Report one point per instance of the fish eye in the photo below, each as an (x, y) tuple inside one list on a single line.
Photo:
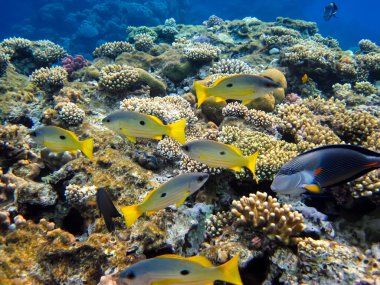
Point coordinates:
[(108, 120), (62, 137), (185, 148), (185, 272), (229, 85), (142, 123), (163, 195), (131, 275), (222, 153)]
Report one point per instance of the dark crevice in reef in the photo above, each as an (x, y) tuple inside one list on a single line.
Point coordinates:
[(256, 271), (74, 223), (161, 251)]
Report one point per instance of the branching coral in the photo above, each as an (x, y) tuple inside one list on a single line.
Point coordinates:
[(71, 114), (143, 42), (264, 213), (230, 66), (367, 46), (47, 52), (112, 49), (168, 109), (116, 78), (201, 52), (77, 195), (49, 79), (134, 31)]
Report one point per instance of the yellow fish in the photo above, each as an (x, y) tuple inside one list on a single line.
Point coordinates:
[(133, 124), (216, 154), (170, 269), (58, 140), (242, 87), (175, 191), (304, 78)]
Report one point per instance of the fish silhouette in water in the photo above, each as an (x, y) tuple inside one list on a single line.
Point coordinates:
[(330, 11), (324, 166), (106, 208)]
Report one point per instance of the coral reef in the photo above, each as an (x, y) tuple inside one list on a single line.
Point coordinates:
[(71, 114), (49, 79), (265, 213)]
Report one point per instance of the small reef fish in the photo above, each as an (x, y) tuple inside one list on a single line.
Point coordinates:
[(175, 191), (174, 269), (58, 140), (133, 124), (216, 154), (330, 11), (304, 78), (324, 166), (106, 208), (242, 87)]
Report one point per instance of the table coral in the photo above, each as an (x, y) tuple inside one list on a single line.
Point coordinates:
[(264, 213)]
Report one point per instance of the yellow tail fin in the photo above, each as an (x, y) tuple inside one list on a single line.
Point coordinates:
[(131, 214), (176, 130), (87, 147), (251, 164), (230, 271), (200, 91)]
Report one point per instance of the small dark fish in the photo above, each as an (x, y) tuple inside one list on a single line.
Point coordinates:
[(330, 11), (324, 166), (106, 208)]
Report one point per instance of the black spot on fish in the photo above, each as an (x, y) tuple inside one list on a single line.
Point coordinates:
[(33, 134), (62, 137), (229, 85), (131, 275), (163, 195), (222, 153), (108, 120), (142, 123), (200, 178), (185, 148), (185, 272)]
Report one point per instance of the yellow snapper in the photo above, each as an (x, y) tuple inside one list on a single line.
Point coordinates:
[(216, 154), (133, 124), (242, 87), (174, 269), (175, 191), (58, 140)]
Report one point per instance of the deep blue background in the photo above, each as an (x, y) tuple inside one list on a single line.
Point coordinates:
[(70, 22)]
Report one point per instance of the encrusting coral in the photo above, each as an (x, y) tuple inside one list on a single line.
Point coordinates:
[(264, 213)]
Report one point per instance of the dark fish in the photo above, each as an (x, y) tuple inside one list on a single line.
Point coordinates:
[(106, 208), (324, 166), (330, 11)]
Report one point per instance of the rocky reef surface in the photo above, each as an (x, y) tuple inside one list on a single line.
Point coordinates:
[(50, 231)]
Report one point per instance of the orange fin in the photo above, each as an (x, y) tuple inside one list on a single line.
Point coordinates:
[(372, 164), (313, 188)]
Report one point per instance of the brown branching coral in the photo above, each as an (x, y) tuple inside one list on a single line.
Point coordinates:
[(116, 78), (263, 212), (112, 49), (49, 79)]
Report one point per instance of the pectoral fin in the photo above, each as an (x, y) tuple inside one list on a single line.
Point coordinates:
[(179, 203), (219, 99), (313, 188), (131, 139)]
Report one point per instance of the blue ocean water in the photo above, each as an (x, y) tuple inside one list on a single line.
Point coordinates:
[(82, 25)]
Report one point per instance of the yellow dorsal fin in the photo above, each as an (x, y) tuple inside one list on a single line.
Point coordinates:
[(234, 148), (157, 120), (201, 260), (69, 132), (216, 82), (198, 259)]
